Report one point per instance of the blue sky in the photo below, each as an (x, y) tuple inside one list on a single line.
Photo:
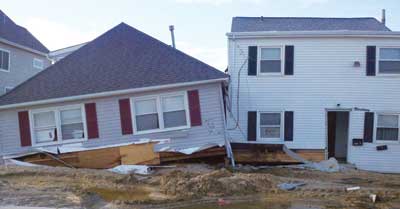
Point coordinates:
[(200, 25)]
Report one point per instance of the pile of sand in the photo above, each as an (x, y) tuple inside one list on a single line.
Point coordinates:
[(216, 183)]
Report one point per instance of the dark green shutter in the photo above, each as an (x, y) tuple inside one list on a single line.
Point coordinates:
[(252, 126), (289, 60), (288, 125), (252, 61)]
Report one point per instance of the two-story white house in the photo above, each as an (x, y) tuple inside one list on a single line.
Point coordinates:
[(21, 54), (324, 84)]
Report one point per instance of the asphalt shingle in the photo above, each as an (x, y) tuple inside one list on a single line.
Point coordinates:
[(252, 24), (19, 35), (122, 58)]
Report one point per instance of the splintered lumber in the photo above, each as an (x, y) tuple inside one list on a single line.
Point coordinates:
[(175, 156), (271, 154), (139, 154)]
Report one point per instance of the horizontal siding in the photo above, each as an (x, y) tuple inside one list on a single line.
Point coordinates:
[(324, 76), (211, 131)]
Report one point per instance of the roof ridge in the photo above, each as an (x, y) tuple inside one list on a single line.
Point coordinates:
[(305, 17)]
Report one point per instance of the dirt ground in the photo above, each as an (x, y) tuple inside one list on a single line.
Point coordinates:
[(195, 186)]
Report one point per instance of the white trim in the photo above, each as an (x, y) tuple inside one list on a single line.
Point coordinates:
[(38, 60), (23, 47), (281, 128), (306, 34), (282, 59), (109, 93), (9, 60), (56, 110), (376, 115), (378, 59), (158, 98)]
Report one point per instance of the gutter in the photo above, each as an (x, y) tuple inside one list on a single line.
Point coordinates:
[(22, 47), (109, 93), (306, 34)]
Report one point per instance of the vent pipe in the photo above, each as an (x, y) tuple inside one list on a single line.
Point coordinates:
[(171, 28), (383, 17)]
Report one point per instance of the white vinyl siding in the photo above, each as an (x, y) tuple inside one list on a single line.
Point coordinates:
[(161, 112), (4, 60), (38, 63), (57, 125), (389, 61)]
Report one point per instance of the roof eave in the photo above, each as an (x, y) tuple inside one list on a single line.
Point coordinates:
[(22, 47), (110, 93), (305, 34)]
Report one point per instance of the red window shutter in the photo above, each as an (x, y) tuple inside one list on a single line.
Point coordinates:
[(91, 121), (126, 117), (24, 129), (194, 108)]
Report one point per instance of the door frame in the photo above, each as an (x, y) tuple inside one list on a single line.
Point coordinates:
[(348, 110)]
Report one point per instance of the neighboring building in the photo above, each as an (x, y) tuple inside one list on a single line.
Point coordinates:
[(121, 87), (321, 84), (59, 54), (21, 54)]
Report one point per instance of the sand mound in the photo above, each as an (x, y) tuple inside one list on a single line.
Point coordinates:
[(217, 183)]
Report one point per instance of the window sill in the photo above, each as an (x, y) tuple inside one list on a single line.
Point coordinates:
[(270, 75), (161, 130), (386, 142), (59, 143), (6, 71), (387, 75)]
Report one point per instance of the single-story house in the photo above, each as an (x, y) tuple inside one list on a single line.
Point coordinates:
[(121, 87)]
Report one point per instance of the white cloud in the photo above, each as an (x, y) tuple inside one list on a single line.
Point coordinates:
[(55, 35), (215, 57)]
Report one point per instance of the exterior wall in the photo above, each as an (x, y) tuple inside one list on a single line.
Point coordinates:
[(21, 67), (324, 77), (211, 130)]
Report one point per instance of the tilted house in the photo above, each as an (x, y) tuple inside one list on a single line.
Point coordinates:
[(123, 86), (326, 86), (21, 54)]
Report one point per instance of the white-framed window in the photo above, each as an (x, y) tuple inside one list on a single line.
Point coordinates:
[(387, 127), (4, 60), (389, 60), (7, 89), (270, 125), (38, 63), (160, 112), (58, 125), (270, 60)]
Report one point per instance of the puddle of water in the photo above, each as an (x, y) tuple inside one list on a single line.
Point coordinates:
[(256, 205), (110, 194)]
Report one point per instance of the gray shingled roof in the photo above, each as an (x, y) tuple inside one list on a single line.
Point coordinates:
[(122, 58), (19, 35), (250, 24)]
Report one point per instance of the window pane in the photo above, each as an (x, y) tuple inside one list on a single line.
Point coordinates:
[(173, 103), (390, 134), (270, 132), (1, 59), (147, 122), (71, 116), (37, 63), (271, 66), (270, 119), (145, 107), (271, 54), (389, 67), (174, 119), (44, 119), (389, 53), (46, 135), (388, 121), (5, 60), (72, 131)]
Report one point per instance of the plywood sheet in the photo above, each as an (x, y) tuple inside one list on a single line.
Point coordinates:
[(139, 154)]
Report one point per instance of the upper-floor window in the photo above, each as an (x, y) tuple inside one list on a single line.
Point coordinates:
[(389, 61), (271, 60), (387, 127), (38, 63), (161, 112), (4, 60), (7, 89), (58, 125)]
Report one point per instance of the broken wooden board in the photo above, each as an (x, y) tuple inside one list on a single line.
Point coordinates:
[(166, 157), (271, 154)]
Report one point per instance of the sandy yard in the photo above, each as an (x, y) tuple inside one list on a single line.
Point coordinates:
[(195, 186)]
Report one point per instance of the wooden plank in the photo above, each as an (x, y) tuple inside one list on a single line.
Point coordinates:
[(275, 157), (99, 158), (174, 156), (139, 154), (42, 159)]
